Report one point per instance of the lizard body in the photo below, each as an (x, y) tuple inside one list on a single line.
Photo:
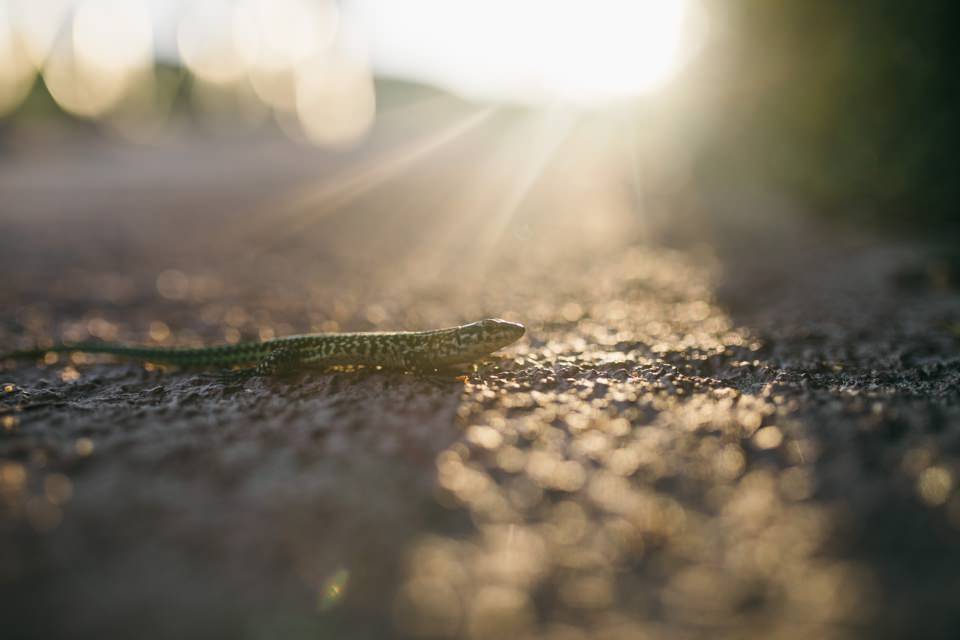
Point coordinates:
[(393, 349)]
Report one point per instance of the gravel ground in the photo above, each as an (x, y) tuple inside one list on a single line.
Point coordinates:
[(725, 421)]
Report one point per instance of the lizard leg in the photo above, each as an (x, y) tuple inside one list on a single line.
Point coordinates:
[(278, 362), (232, 377), (403, 363)]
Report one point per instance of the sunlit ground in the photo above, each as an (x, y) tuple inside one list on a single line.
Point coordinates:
[(646, 463)]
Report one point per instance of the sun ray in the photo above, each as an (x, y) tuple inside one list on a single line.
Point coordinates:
[(551, 132), (295, 212), (470, 220)]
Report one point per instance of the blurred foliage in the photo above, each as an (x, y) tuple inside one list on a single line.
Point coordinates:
[(171, 84), (850, 105)]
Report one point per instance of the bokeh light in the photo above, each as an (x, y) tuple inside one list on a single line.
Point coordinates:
[(78, 88), (207, 45), (113, 36), (274, 35), (335, 100), (38, 22), (105, 53), (311, 64), (16, 71)]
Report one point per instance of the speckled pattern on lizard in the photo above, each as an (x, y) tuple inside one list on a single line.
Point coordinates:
[(408, 350)]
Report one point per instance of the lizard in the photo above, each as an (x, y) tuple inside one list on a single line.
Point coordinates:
[(404, 350)]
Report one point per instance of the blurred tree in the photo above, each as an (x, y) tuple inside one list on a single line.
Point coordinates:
[(851, 105)]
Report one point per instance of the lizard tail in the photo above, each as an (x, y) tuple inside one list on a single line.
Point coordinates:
[(80, 347), (23, 354), (229, 354)]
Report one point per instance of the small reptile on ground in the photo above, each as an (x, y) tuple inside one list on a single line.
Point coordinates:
[(407, 350)]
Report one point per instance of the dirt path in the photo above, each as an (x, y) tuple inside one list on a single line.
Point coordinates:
[(753, 434)]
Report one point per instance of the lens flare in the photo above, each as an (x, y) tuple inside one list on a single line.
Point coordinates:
[(332, 591)]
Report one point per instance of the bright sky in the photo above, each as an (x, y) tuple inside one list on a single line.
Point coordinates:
[(528, 49), (579, 50)]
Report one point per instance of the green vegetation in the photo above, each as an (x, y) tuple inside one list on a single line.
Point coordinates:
[(851, 106)]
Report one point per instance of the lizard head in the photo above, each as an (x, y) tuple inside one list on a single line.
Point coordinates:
[(481, 338)]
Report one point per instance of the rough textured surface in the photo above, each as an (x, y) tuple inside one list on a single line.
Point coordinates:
[(728, 424)]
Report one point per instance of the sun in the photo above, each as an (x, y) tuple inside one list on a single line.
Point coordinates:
[(581, 51), (596, 50)]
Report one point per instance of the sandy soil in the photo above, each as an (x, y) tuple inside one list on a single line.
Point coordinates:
[(725, 421)]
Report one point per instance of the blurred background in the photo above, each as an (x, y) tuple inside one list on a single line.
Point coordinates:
[(847, 108)]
